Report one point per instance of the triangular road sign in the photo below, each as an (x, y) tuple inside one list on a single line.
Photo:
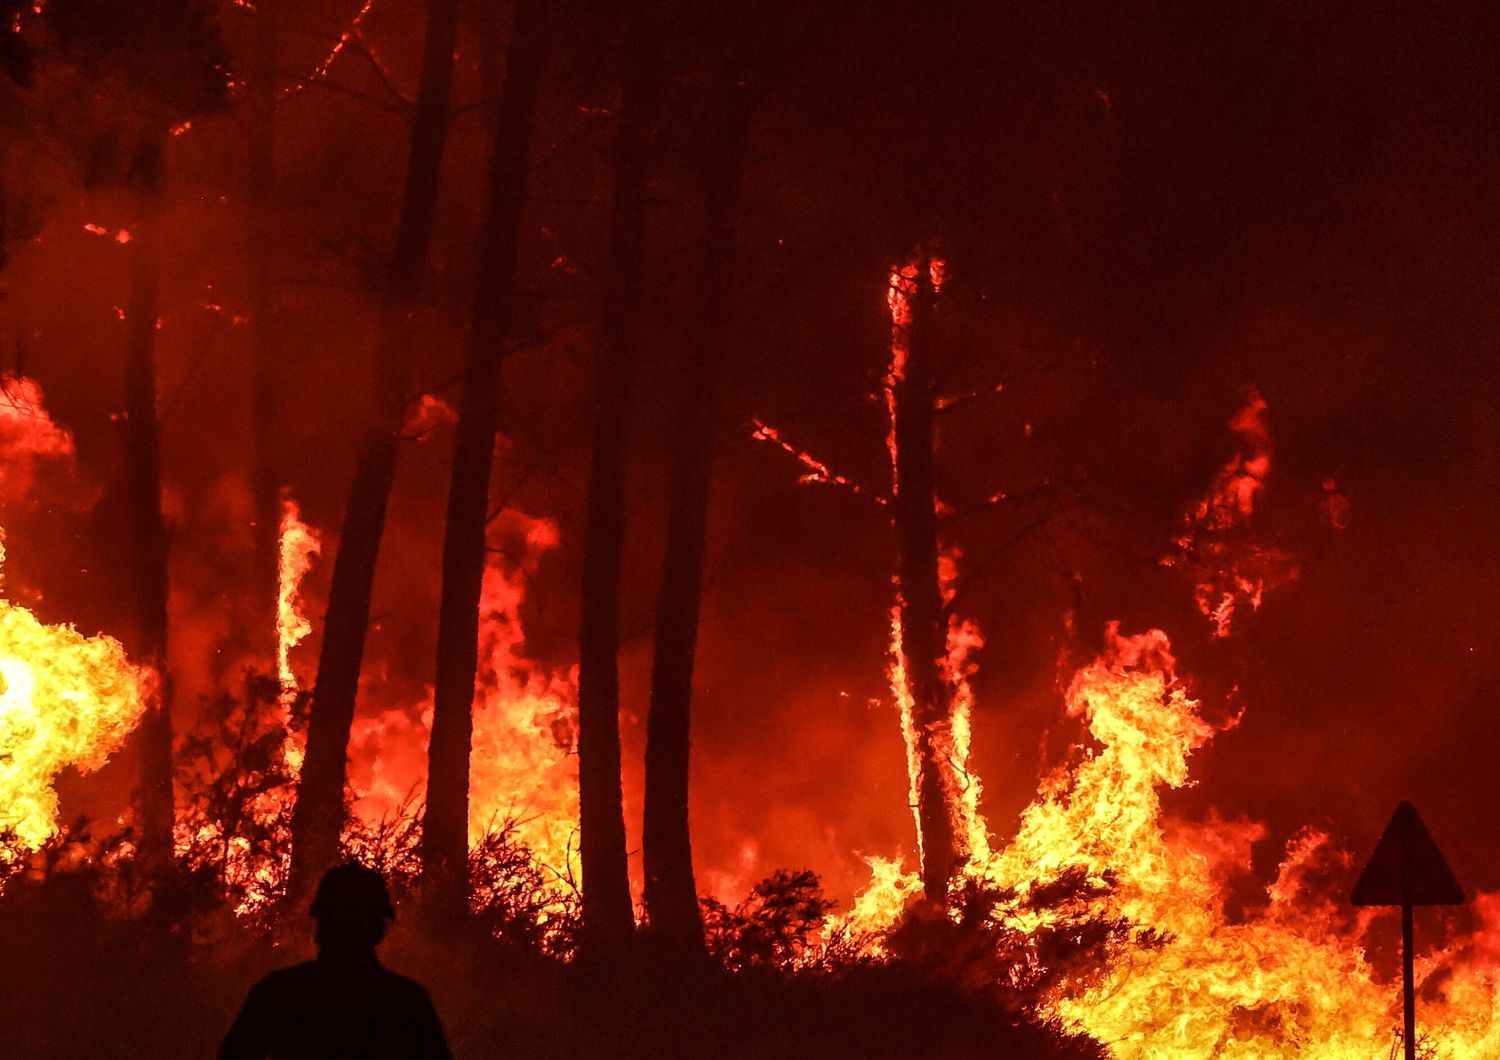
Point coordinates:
[(1407, 868)]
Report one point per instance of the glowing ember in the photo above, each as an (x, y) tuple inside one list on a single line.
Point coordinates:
[(119, 235), (816, 471), (426, 415), (337, 49)]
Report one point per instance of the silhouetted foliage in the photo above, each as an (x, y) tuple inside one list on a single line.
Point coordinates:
[(514, 897), (771, 928)]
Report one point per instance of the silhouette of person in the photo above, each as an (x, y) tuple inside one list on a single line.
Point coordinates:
[(344, 1003)]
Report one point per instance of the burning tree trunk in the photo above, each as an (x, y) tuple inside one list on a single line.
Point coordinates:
[(148, 532), (264, 485), (922, 677), (666, 844), (445, 826), (607, 912), (319, 814)]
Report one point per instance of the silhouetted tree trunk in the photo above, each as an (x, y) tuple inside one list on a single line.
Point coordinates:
[(923, 622), (148, 532), (264, 484), (318, 817), (609, 919), (671, 893), (445, 825), (4, 213)]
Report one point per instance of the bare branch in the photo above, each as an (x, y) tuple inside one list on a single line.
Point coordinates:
[(381, 73), (1009, 500), (321, 70), (378, 102), (957, 401), (968, 582), (817, 471)]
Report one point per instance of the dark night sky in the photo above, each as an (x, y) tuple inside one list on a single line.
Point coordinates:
[(1144, 211)]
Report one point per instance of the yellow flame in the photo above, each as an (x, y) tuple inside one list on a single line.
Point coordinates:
[(525, 730), (65, 700), (523, 767)]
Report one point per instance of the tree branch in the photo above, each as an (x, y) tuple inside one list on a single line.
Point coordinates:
[(816, 472), (958, 401), (968, 582)]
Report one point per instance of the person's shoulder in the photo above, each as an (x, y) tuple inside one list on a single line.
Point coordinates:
[(288, 978), (401, 986)]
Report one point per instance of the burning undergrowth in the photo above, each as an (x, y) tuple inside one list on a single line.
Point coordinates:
[(1103, 916)]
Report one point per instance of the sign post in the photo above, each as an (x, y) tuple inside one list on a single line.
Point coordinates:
[(1407, 869)]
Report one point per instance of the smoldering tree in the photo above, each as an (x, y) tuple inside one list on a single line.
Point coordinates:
[(923, 619)]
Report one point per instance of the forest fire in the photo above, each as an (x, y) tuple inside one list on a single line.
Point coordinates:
[(409, 568), (1180, 976)]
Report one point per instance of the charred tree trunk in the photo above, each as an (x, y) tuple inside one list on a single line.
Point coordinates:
[(318, 817), (264, 486), (609, 919), (148, 532), (671, 892), (923, 621), (445, 825)]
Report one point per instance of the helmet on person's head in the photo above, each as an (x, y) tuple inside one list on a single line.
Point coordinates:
[(352, 892)]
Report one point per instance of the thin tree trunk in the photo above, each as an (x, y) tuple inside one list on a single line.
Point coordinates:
[(671, 893), (923, 623), (264, 484), (148, 532), (318, 817), (445, 825), (4, 215), (608, 916)]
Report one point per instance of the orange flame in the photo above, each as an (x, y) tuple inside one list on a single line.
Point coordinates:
[(1232, 571), (28, 436)]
